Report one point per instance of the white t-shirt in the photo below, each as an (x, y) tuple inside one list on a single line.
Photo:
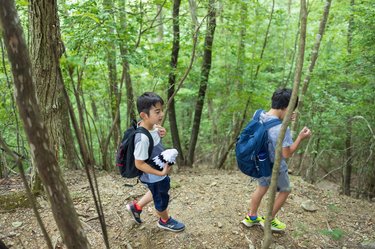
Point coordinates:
[(141, 145), (273, 134)]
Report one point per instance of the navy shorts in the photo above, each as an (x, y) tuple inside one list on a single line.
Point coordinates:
[(160, 194)]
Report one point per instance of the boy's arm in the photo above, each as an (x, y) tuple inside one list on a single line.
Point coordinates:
[(146, 168), (288, 151)]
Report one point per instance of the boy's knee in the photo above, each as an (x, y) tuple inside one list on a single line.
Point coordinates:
[(285, 191), (162, 204)]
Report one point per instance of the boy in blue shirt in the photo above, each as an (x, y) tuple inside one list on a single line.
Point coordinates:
[(150, 109), (280, 102)]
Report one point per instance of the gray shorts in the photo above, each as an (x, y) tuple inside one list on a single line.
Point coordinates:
[(283, 183)]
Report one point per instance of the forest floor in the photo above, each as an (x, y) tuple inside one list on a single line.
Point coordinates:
[(211, 203)]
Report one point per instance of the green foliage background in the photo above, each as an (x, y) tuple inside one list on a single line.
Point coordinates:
[(342, 85)]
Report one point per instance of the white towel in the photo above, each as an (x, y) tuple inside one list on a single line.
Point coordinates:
[(168, 156)]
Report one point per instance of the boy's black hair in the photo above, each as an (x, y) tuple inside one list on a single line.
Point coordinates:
[(281, 98), (147, 100)]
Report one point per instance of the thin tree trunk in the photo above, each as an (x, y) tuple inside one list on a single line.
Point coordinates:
[(265, 39), (205, 72), (239, 123), (88, 163), (160, 24), (66, 140), (20, 140), (62, 207), (275, 171), (130, 103), (193, 13), (172, 81), (79, 125), (286, 82), (224, 151), (30, 196), (112, 77), (347, 173), (314, 57)]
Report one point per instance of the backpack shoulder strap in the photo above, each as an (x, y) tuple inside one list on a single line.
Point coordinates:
[(271, 123), (257, 114), (143, 130), (133, 123)]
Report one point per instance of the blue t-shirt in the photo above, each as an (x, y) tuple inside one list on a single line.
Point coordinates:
[(141, 143), (273, 134)]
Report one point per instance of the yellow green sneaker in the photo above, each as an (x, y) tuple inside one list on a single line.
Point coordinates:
[(276, 225), (249, 222)]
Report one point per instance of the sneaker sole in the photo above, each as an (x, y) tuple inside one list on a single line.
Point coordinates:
[(170, 229), (250, 225), (131, 214)]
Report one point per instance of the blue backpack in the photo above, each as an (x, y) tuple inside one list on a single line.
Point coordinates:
[(125, 152), (252, 147)]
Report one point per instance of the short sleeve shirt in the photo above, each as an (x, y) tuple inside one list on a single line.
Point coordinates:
[(141, 144), (273, 134)]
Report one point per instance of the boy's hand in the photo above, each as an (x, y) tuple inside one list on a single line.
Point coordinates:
[(166, 169), (161, 130), (305, 133)]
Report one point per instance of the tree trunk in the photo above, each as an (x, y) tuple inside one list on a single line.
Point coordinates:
[(314, 57), (112, 77), (265, 39), (275, 171), (160, 23), (62, 207), (239, 121), (172, 82), (130, 103), (225, 148), (193, 13), (45, 40), (79, 125), (205, 72), (88, 163), (347, 173), (349, 162), (66, 139)]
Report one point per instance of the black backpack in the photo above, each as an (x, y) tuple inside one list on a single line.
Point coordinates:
[(125, 152)]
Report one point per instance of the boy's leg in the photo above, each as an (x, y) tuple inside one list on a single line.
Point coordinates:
[(163, 215), (283, 188), (256, 199), (279, 202), (252, 218), (161, 200), (135, 208), (146, 199)]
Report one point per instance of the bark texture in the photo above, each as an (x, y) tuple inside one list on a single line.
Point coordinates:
[(71, 230)]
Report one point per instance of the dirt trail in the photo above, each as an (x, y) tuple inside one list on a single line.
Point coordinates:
[(211, 203)]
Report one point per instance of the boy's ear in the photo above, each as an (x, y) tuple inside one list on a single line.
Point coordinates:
[(143, 115)]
